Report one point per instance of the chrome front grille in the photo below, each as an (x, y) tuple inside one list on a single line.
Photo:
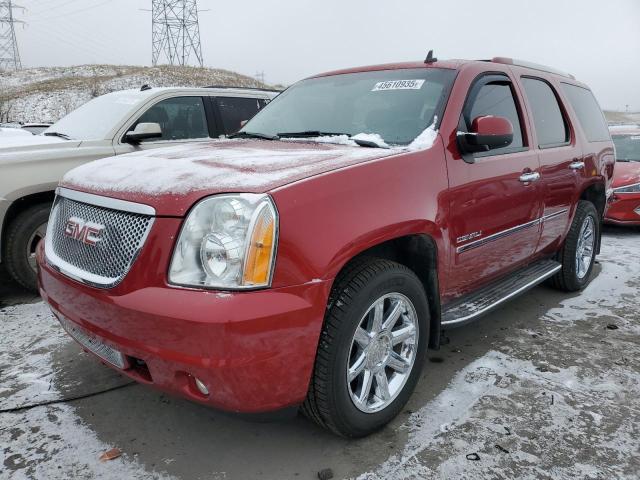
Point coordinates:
[(93, 243)]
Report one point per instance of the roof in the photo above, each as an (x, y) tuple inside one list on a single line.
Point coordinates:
[(240, 91), (453, 64)]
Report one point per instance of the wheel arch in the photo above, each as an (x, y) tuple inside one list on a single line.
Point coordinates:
[(596, 193), (419, 253), (18, 206)]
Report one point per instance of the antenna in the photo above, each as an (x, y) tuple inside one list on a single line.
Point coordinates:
[(430, 58), (9, 54), (175, 31)]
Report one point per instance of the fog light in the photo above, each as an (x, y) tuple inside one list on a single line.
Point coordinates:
[(637, 210), (201, 386)]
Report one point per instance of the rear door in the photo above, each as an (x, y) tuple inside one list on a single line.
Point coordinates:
[(559, 154), (494, 212), (233, 112)]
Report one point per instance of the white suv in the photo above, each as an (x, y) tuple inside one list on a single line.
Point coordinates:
[(113, 124)]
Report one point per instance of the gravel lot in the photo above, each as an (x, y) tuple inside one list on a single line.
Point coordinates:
[(545, 387)]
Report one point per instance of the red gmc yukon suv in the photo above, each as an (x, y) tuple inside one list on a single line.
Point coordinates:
[(312, 258)]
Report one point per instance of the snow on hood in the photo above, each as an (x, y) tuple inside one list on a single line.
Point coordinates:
[(172, 179), (216, 167), (13, 140)]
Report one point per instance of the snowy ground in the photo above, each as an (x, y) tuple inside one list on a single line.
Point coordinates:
[(545, 387)]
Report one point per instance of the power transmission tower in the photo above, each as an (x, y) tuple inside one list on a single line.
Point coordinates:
[(175, 31), (9, 54)]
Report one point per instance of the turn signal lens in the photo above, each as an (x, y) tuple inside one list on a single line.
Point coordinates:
[(260, 249)]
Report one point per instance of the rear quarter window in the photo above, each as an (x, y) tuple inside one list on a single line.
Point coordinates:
[(588, 111)]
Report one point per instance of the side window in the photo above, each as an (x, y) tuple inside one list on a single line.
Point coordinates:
[(236, 110), (588, 111), (550, 124), (181, 118), (497, 99)]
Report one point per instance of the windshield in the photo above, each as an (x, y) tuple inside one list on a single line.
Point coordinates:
[(96, 118), (627, 147), (395, 104)]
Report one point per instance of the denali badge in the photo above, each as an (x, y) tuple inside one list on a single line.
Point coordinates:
[(83, 231), (469, 236)]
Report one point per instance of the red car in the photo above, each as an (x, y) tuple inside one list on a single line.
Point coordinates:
[(624, 204), (313, 258)]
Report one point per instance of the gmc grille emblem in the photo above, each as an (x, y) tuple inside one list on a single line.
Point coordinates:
[(83, 231)]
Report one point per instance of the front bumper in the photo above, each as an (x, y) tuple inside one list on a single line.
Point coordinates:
[(253, 350), (624, 209)]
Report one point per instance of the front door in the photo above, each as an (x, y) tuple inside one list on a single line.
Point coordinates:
[(494, 201), (182, 120)]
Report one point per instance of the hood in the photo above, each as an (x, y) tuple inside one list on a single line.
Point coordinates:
[(172, 179), (12, 144), (626, 173)]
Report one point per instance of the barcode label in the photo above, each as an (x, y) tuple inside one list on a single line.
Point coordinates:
[(398, 85)]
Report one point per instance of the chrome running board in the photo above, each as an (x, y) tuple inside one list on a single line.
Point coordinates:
[(468, 308)]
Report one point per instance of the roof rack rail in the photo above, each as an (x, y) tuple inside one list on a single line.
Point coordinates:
[(244, 88), (531, 65)]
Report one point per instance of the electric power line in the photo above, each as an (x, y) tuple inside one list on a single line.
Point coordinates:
[(9, 54), (175, 32)]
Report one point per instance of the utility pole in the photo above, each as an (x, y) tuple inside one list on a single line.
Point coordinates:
[(175, 33), (260, 77), (9, 54)]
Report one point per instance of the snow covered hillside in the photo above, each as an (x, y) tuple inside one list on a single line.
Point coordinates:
[(46, 94)]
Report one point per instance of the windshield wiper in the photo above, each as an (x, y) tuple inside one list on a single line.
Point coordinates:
[(57, 134), (311, 134), (263, 136)]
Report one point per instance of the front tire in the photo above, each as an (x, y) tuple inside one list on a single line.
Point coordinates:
[(371, 350), (579, 251), (23, 234)]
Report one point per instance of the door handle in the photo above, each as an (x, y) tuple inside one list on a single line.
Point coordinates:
[(577, 165), (529, 177)]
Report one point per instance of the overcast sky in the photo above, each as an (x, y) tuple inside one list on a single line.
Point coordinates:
[(596, 40)]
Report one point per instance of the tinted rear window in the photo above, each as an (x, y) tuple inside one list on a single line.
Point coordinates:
[(588, 111), (235, 110), (550, 125)]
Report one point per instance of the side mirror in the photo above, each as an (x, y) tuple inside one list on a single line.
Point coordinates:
[(487, 133), (143, 131)]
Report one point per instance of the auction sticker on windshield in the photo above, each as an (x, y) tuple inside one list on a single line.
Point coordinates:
[(398, 85)]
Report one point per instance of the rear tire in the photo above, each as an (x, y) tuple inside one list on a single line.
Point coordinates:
[(579, 250), (22, 235), (369, 289)]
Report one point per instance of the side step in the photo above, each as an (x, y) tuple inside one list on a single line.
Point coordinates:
[(468, 308)]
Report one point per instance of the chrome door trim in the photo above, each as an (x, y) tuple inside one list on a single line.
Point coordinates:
[(106, 202), (509, 231)]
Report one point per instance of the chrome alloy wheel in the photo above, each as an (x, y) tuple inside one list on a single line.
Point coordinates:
[(35, 237), (584, 249), (383, 351)]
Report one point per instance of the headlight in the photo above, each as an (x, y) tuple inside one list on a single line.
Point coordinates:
[(628, 189), (227, 242)]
